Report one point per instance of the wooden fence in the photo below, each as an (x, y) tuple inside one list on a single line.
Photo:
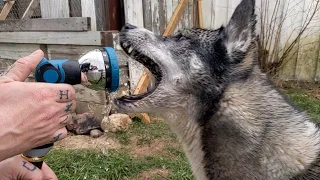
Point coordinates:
[(289, 17)]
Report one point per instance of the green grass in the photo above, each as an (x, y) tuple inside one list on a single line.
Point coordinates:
[(76, 165), (145, 134), (123, 164), (305, 102), (115, 165)]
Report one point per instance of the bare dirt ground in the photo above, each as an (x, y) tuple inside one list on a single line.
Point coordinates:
[(87, 142), (150, 174)]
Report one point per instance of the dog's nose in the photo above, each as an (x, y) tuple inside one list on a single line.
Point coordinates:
[(128, 26)]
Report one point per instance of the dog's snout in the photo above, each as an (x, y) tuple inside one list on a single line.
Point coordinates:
[(128, 26)]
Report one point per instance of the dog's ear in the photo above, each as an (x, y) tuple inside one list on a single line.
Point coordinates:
[(240, 30)]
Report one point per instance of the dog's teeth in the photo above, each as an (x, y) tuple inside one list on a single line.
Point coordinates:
[(125, 45), (130, 49)]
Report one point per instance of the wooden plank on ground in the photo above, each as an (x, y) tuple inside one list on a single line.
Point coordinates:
[(6, 9), (175, 18), (34, 4), (54, 8), (66, 38), (54, 24)]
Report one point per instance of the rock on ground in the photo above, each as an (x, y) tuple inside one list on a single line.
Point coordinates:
[(90, 110), (95, 133), (90, 101), (83, 124), (116, 122)]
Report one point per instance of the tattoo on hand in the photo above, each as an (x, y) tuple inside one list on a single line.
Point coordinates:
[(68, 107), (56, 138), (29, 168), (64, 121), (64, 93)]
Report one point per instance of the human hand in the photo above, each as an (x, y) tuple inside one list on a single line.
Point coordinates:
[(17, 168), (32, 113)]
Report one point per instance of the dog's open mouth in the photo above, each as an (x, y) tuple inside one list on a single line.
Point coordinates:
[(140, 56)]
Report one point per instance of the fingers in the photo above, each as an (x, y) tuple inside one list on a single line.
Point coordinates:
[(23, 169), (48, 174), (67, 108), (18, 168), (59, 135), (65, 120), (5, 79), (22, 68), (61, 93)]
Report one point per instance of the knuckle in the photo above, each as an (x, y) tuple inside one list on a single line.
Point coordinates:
[(42, 93), (50, 112), (22, 61), (70, 89)]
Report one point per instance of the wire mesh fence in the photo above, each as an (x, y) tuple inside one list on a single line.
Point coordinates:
[(18, 9)]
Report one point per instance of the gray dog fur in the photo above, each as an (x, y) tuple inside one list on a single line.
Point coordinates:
[(231, 120)]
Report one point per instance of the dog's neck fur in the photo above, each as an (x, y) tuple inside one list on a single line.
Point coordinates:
[(226, 147)]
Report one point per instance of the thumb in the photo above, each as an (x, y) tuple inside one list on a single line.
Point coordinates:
[(48, 174), (22, 68)]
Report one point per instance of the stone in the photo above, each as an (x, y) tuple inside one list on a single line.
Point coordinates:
[(95, 133), (116, 122), (83, 124), (91, 101)]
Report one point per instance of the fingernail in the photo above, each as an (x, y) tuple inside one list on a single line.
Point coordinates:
[(36, 52)]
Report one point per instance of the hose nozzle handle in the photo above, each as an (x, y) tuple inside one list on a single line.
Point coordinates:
[(36, 155)]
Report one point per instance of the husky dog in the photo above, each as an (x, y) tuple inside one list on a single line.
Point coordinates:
[(231, 120)]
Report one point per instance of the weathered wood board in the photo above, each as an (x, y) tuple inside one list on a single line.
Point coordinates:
[(66, 38), (75, 8), (55, 8), (53, 24), (89, 10), (134, 12), (16, 51)]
